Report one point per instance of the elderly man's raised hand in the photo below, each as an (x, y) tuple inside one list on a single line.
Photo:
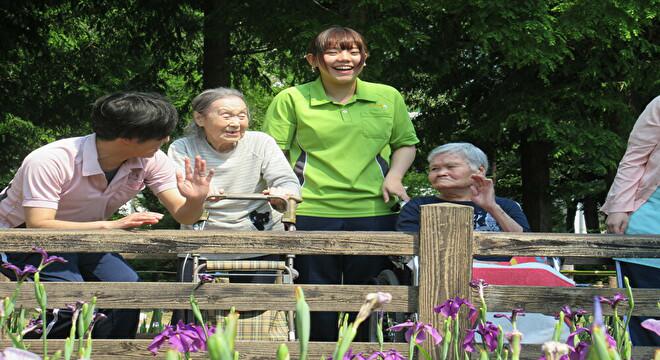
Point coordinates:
[(194, 185), (483, 192)]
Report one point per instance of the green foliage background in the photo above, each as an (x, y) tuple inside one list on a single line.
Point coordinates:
[(540, 85)]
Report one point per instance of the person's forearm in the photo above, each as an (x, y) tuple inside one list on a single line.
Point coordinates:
[(189, 212), (71, 225), (506, 223), (402, 158)]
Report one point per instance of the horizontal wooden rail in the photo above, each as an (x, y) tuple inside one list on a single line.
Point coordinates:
[(243, 297), (137, 349), (217, 242), (572, 245), (446, 247), (549, 300)]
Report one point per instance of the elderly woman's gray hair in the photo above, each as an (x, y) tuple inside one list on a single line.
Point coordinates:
[(472, 154), (202, 102)]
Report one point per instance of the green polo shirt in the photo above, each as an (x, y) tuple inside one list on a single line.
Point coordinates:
[(340, 152)]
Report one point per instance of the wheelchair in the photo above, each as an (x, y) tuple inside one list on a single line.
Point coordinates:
[(267, 269), (404, 271)]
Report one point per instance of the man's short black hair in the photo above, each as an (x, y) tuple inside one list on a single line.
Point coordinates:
[(133, 115)]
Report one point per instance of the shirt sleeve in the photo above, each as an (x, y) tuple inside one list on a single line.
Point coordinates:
[(515, 211), (276, 170), (409, 217), (43, 180), (403, 131), (160, 173), (177, 152), (644, 137), (280, 121)]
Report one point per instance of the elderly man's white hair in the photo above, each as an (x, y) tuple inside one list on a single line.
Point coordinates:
[(472, 154)]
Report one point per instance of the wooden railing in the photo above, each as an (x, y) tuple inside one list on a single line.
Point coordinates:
[(445, 246)]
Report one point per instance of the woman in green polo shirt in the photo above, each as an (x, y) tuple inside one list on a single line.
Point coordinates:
[(350, 142)]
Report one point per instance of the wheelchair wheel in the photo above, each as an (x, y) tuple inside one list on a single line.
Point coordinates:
[(386, 277)]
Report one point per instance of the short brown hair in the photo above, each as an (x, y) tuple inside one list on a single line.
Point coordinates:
[(337, 37)]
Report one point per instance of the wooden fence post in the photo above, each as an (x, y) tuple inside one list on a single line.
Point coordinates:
[(445, 257)]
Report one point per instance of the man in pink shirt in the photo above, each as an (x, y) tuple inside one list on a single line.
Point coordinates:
[(78, 183)]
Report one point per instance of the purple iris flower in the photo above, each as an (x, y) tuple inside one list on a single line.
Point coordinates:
[(614, 301), (160, 339), (514, 314), (571, 316), (386, 355), (652, 325), (75, 307), (488, 332), (571, 337), (32, 325), (98, 317), (47, 260), (205, 278), (598, 313), (478, 284), (451, 307), (183, 338), (350, 356), (419, 329), (20, 274), (579, 351), (468, 342)]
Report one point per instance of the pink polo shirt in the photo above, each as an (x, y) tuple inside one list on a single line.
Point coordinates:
[(66, 176), (639, 171)]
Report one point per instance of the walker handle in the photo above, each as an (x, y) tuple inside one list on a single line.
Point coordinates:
[(289, 214)]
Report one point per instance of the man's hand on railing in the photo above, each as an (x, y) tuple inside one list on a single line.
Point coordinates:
[(135, 220)]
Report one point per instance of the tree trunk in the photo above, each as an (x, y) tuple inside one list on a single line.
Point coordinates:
[(535, 168), (591, 215), (217, 44), (570, 216)]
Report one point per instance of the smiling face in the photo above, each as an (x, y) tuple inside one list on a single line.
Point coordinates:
[(224, 122), (339, 66), (339, 54), (451, 172)]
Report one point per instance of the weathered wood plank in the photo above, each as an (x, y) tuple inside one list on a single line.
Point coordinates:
[(220, 242), (572, 245), (147, 295), (446, 258), (548, 300), (137, 349)]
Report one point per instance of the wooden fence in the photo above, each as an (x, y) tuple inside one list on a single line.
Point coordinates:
[(444, 248)]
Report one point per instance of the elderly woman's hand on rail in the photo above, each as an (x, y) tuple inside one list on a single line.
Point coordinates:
[(278, 204)]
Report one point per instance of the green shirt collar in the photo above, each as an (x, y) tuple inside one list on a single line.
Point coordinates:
[(318, 96)]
